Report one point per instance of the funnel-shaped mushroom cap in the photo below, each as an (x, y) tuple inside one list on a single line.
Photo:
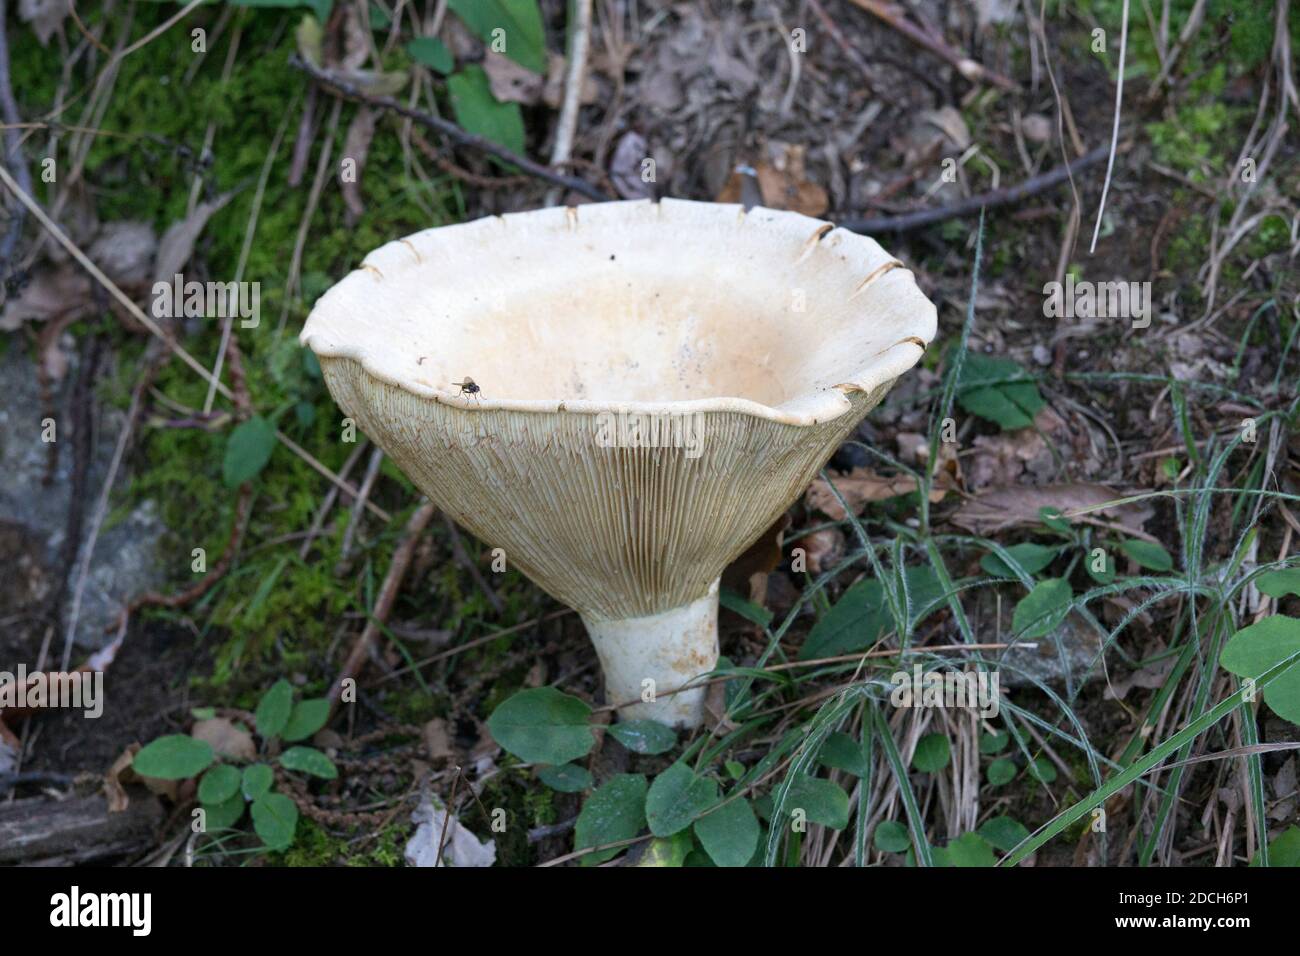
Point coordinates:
[(657, 381)]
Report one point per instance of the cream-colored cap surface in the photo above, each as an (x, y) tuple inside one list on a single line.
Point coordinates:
[(754, 340)]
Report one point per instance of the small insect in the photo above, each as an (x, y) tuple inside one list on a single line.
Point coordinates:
[(468, 387)]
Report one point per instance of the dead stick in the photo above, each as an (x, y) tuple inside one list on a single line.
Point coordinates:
[(969, 207), (384, 605), (963, 64), (451, 131)]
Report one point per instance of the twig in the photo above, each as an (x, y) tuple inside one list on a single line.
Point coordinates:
[(1114, 133), (384, 605), (573, 80), (13, 148), (451, 131), (963, 64), (973, 204), (841, 41)]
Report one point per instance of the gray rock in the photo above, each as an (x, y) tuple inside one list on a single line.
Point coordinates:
[(34, 515)]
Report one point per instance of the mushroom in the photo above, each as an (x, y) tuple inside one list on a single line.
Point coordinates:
[(656, 383)]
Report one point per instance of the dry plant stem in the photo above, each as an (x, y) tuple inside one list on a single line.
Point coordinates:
[(568, 122), (13, 148), (466, 562), (154, 329), (968, 207), (841, 41), (356, 659), (967, 67), (451, 131), (1114, 133)]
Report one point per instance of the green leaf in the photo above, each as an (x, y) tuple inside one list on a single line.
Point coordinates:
[(891, 837), (1257, 648), (969, 849), (747, 609), (275, 818), (735, 769), (932, 754), (543, 726), (520, 22), (219, 784), (999, 390), (1054, 519), (309, 760), (993, 743), (307, 717), (566, 778), (1031, 557), (1003, 832), (644, 736), (274, 708), (615, 811), (1148, 554), (821, 800), (853, 622), (431, 52), (248, 449), (1278, 584), (1042, 770), (224, 815), (1043, 609), (257, 780), (1001, 772), (842, 752), (1283, 850), (1107, 574), (174, 757), (477, 111), (730, 833), (676, 798), (668, 851)]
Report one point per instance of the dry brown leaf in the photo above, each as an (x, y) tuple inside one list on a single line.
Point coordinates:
[(118, 775), (226, 739), (747, 575), (1018, 506), (861, 487), (177, 243), (356, 146), (437, 741), (780, 191), (44, 16), (625, 169), (510, 82), (822, 549)]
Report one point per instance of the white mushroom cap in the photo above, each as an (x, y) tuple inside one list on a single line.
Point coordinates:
[(761, 337)]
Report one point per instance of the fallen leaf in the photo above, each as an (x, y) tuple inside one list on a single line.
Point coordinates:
[(510, 82), (861, 487), (625, 167), (437, 741), (460, 848), (823, 549), (177, 243), (356, 146), (1019, 506), (747, 575), (226, 739), (44, 16), (118, 775)]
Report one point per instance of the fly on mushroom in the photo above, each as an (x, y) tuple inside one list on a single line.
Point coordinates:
[(468, 387)]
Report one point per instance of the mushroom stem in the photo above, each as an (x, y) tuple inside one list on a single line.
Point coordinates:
[(645, 657)]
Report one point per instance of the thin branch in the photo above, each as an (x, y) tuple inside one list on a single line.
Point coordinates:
[(451, 131), (969, 207)]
